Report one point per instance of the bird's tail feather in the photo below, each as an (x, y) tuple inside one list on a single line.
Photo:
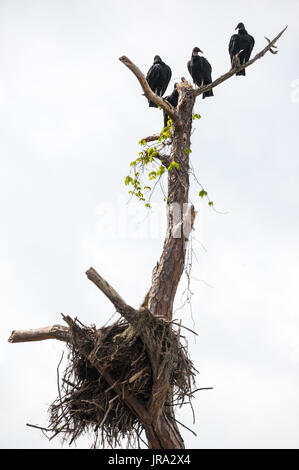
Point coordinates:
[(242, 72), (207, 93), (166, 117), (152, 105)]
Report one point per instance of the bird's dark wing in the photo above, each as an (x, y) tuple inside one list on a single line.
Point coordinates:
[(206, 75), (233, 46), (168, 73), (192, 71), (248, 48), (206, 70), (154, 76), (166, 78), (173, 98), (206, 66), (251, 42)]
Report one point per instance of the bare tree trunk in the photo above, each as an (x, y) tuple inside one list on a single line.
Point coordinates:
[(164, 434), (167, 274)]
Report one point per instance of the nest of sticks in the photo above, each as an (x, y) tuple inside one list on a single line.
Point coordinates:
[(86, 403)]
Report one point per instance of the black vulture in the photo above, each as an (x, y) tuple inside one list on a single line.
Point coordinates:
[(200, 70), (173, 100), (240, 41), (158, 77)]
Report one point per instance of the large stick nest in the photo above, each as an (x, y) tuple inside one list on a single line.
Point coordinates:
[(87, 403)]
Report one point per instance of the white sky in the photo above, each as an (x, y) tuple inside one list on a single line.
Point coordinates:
[(70, 118)]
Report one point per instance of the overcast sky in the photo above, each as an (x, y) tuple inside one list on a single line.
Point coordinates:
[(70, 118)]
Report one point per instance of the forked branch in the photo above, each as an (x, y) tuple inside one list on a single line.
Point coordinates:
[(237, 68)]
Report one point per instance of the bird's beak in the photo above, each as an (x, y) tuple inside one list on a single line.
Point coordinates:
[(201, 51), (237, 27)]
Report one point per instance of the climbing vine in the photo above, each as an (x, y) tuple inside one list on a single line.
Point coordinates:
[(152, 164)]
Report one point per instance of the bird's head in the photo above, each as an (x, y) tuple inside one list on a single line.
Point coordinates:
[(196, 50), (157, 59), (240, 26)]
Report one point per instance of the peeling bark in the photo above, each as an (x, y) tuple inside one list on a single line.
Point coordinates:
[(164, 434), (167, 273)]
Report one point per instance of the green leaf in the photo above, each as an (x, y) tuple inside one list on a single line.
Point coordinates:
[(173, 165), (196, 116), (161, 171), (152, 175), (202, 193), (187, 151), (211, 203)]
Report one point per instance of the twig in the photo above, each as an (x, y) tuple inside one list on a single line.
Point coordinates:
[(139, 437), (39, 427), (271, 50), (108, 410), (185, 327), (199, 389), (184, 426), (58, 381), (70, 383)]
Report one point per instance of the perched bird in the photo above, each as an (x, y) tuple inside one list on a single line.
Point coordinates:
[(158, 77), (241, 42), (173, 100), (200, 70)]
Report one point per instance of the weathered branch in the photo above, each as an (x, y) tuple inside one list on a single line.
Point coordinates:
[(151, 138), (236, 69), (62, 333), (164, 159), (129, 313), (150, 95)]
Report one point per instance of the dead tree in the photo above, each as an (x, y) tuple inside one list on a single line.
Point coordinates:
[(127, 378)]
